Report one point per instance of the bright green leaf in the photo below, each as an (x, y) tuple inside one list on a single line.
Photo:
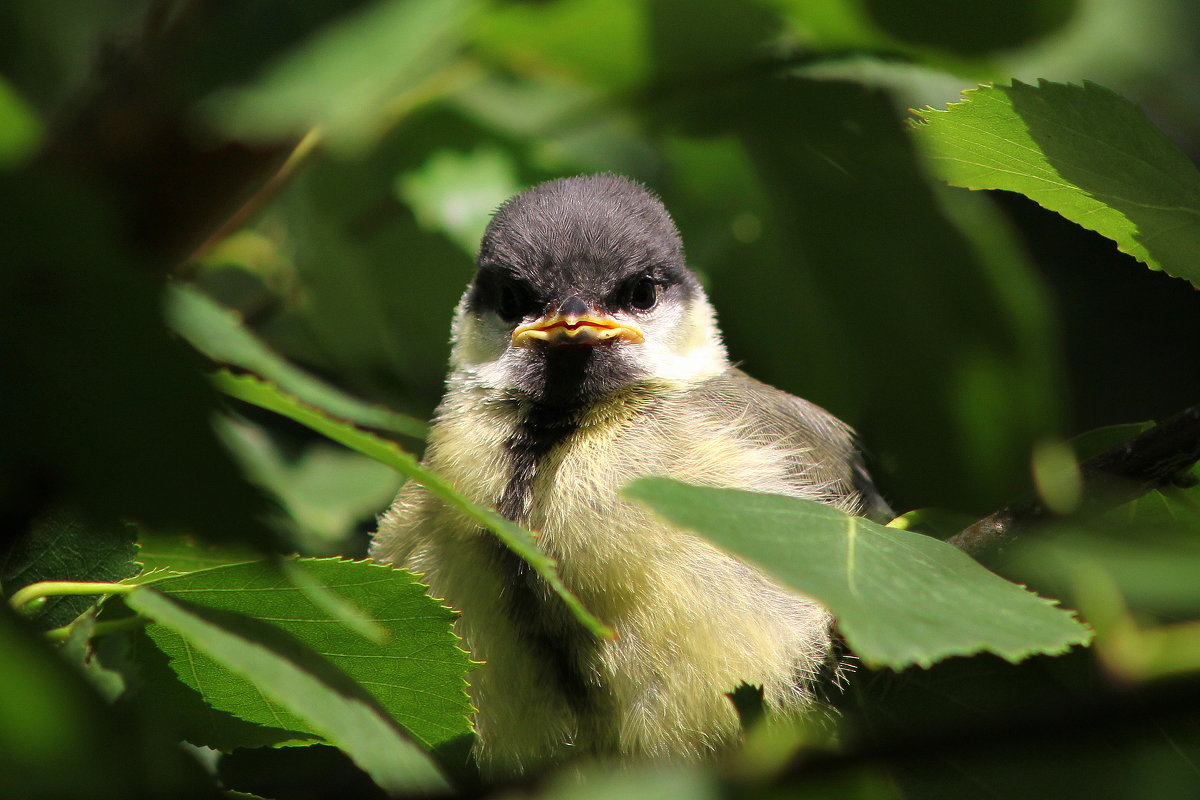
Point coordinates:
[(20, 129), (1082, 151), (519, 540), (351, 721), (416, 674), (221, 335), (900, 598), (456, 193)]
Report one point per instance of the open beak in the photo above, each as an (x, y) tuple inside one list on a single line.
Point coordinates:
[(572, 329)]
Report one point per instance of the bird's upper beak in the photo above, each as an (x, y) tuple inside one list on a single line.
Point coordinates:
[(576, 329)]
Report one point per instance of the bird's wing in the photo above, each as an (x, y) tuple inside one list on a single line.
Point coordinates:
[(821, 449)]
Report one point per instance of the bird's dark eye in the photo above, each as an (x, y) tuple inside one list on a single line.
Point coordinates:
[(513, 302), (643, 296)]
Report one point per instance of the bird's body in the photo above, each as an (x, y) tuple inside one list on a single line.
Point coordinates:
[(567, 382)]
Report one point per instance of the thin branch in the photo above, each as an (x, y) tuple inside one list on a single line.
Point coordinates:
[(1157, 458)]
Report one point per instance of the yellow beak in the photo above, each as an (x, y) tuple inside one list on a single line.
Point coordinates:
[(585, 329)]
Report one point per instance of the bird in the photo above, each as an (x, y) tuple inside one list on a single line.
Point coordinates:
[(584, 354)]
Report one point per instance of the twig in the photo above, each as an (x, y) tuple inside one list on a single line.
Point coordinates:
[(1154, 459)]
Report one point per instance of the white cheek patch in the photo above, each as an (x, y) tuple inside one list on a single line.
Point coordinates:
[(481, 352), (682, 344)]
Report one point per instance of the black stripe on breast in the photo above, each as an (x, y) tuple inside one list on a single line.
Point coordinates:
[(538, 614)]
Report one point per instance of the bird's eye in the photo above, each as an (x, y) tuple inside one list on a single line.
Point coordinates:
[(644, 295), (512, 302)]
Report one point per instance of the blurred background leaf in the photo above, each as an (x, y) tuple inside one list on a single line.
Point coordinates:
[(959, 332)]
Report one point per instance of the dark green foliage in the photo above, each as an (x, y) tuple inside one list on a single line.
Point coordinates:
[(137, 147), (62, 545)]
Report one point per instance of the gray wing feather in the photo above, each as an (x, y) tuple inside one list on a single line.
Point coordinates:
[(821, 448)]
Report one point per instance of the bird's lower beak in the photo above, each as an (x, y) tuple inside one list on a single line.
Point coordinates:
[(587, 329)]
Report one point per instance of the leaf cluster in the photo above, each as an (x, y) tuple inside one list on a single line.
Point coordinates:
[(262, 216)]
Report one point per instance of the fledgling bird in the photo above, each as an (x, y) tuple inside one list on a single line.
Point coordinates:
[(586, 354)]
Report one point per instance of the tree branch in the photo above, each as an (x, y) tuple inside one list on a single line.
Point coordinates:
[(1159, 457)]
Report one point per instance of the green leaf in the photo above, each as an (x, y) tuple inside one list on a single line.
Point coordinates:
[(519, 540), (597, 43), (62, 545), (154, 683), (416, 675), (179, 553), (347, 77), (59, 739), (20, 129), (1082, 151), (1094, 442), (1148, 549), (375, 743), (900, 598), (456, 193), (970, 29), (221, 335), (325, 489)]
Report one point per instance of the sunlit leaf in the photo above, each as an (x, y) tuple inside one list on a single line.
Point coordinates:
[(1082, 151), (900, 598), (456, 193), (415, 674), (280, 677)]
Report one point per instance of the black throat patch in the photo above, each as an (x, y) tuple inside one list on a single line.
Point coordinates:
[(539, 615)]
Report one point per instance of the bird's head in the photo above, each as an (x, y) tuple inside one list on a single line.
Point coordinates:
[(581, 291)]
